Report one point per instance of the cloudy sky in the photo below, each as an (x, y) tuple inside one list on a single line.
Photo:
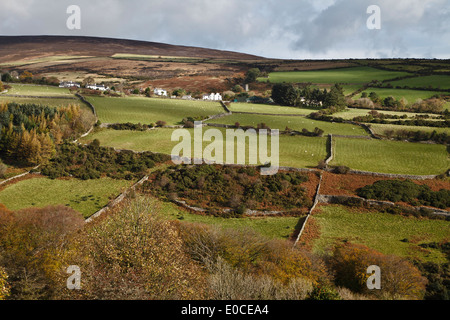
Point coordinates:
[(293, 29)]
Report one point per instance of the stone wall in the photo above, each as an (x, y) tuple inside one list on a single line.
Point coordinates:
[(316, 201), (339, 199), (116, 201)]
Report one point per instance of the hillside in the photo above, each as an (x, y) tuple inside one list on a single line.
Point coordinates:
[(13, 48)]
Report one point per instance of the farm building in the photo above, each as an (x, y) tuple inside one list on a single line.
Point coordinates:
[(160, 92), (100, 87), (212, 97), (69, 84)]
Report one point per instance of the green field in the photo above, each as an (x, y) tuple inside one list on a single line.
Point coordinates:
[(271, 227), (381, 231), (435, 81), (350, 113), (295, 151), (85, 196), (150, 110), (269, 109), (380, 128), (59, 102), (35, 90), (391, 156), (410, 95), (353, 75), (294, 123)]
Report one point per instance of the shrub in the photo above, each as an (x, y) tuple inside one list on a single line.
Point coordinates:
[(341, 170), (160, 123), (133, 254), (399, 278), (405, 191)]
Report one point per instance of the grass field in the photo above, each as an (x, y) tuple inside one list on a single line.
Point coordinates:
[(59, 102), (350, 113), (380, 128), (150, 110), (85, 196), (34, 90), (391, 156), (295, 151), (410, 95), (294, 123), (381, 231), (271, 227), (434, 81), (269, 109), (353, 75)]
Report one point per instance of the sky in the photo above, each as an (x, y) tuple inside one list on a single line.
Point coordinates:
[(285, 29)]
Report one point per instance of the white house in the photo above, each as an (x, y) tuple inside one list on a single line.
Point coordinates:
[(100, 87), (69, 84), (160, 92), (212, 97)]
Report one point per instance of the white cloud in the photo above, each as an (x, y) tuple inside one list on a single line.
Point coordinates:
[(271, 28)]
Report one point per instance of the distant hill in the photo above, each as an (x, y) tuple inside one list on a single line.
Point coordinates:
[(13, 48)]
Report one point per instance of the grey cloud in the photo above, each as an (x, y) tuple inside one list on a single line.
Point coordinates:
[(271, 28)]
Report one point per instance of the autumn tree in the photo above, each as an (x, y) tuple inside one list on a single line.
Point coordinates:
[(4, 286), (133, 254), (399, 278), (26, 76), (32, 243), (88, 81)]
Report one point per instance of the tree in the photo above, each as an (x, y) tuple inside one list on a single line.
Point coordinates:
[(335, 98), (252, 75), (26, 76), (31, 244), (6, 77), (237, 89), (178, 92), (399, 279), (2, 88), (4, 286), (134, 254), (87, 81), (285, 94), (374, 97)]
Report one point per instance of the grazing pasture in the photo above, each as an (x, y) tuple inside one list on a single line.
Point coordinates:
[(36, 90), (85, 196), (390, 156), (434, 81), (294, 123), (387, 233), (353, 75), (59, 102), (269, 109), (410, 95), (150, 110), (295, 151)]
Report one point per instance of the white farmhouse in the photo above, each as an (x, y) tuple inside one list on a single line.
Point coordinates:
[(100, 87), (160, 92), (69, 84), (212, 97)]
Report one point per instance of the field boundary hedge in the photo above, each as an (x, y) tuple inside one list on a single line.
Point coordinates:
[(342, 199)]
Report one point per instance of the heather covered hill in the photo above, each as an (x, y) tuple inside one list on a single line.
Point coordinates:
[(13, 48)]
